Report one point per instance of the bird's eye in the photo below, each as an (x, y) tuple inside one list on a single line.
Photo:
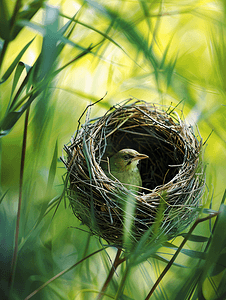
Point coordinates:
[(127, 157)]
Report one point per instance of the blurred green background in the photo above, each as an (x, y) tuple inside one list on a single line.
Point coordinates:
[(171, 53)]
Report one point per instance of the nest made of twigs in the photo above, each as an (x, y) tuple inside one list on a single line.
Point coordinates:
[(172, 174)]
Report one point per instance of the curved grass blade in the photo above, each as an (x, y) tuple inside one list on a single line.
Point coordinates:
[(25, 83), (48, 55), (41, 30), (3, 196), (27, 13), (129, 31), (12, 117), (106, 36), (20, 67), (15, 62), (196, 238), (217, 244)]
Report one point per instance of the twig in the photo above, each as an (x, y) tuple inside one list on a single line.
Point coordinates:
[(116, 263)]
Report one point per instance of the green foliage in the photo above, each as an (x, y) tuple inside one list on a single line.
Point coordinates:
[(4, 21), (170, 53)]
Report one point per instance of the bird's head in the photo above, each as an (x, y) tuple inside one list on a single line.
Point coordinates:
[(126, 159)]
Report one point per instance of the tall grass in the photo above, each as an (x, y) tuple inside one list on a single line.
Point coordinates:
[(55, 60)]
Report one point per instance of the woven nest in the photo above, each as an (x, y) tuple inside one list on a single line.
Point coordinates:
[(173, 173)]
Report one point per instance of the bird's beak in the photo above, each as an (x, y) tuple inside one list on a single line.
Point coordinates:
[(140, 156)]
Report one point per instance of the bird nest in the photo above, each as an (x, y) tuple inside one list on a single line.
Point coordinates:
[(172, 175)]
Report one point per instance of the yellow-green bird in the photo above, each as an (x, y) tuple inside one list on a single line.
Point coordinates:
[(123, 166)]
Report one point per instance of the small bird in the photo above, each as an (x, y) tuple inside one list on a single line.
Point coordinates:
[(123, 166)]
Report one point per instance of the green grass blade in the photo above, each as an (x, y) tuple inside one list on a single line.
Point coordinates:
[(129, 31), (12, 117), (26, 14), (8, 122), (129, 212), (22, 87), (4, 21), (104, 35), (194, 254), (50, 181), (218, 243), (196, 238), (163, 259), (188, 285), (20, 67), (15, 62), (3, 196), (48, 55), (52, 170), (57, 37)]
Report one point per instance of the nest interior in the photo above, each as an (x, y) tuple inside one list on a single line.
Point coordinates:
[(174, 167)]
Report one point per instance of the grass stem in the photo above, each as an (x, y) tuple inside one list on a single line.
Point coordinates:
[(116, 263), (14, 259)]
